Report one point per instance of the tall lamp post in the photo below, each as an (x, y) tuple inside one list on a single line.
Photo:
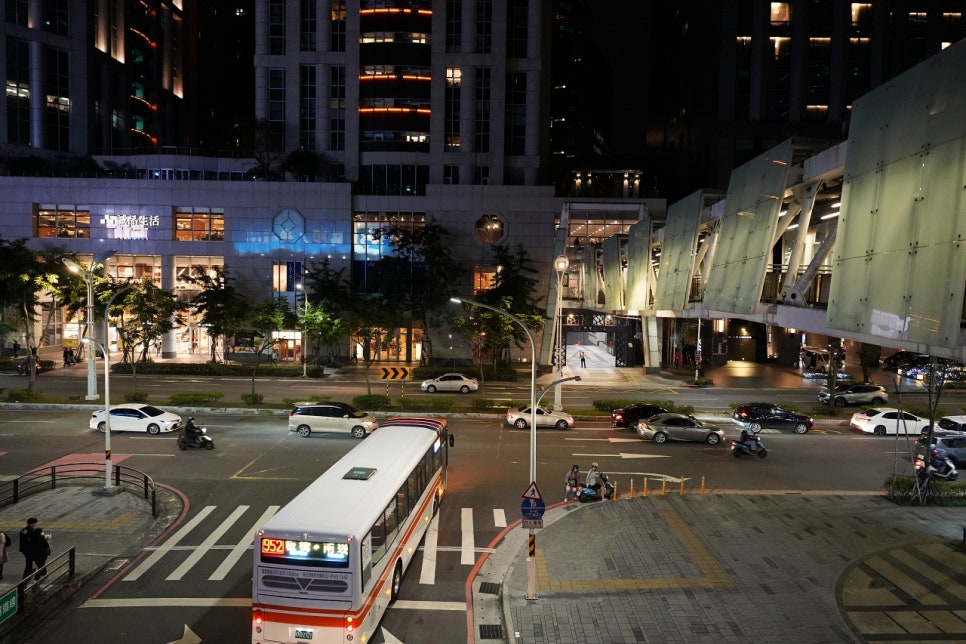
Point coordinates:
[(108, 484), (88, 275), (531, 561), (560, 267), (305, 360)]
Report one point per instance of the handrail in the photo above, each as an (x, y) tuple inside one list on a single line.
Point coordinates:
[(48, 477)]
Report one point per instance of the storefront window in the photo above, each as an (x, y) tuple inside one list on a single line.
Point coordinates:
[(199, 224), (62, 221)]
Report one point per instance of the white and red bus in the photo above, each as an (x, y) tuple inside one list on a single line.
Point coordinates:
[(330, 562)]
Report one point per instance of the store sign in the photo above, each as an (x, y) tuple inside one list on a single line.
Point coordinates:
[(131, 226)]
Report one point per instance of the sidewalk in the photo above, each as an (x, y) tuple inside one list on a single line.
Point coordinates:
[(729, 568)]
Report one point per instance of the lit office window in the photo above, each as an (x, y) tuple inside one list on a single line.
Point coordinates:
[(62, 221), (199, 224)]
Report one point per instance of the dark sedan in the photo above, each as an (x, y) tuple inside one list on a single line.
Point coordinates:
[(628, 416), (757, 415)]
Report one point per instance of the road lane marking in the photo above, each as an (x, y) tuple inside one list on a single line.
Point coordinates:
[(242, 547), (427, 574), (155, 556), (149, 602), (467, 556), (209, 541), (499, 517)]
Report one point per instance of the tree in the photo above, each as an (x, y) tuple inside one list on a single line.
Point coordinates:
[(147, 313), (369, 320), (23, 274), (223, 309), (270, 316), (420, 274)]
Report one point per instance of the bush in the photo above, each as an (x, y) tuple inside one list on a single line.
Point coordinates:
[(196, 397), (436, 404), (901, 490), (25, 395), (317, 398), (488, 404), (253, 399), (372, 402), (703, 382), (136, 397)]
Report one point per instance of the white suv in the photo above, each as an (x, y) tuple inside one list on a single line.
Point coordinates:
[(330, 417)]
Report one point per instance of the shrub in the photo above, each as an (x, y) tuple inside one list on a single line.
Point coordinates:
[(436, 404), (25, 395), (318, 398), (136, 397), (372, 402), (901, 490), (703, 382), (253, 399), (195, 397), (829, 411)]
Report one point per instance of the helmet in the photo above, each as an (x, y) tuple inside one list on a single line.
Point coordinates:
[(191, 419), (593, 464)]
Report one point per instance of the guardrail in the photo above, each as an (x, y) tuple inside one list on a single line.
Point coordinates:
[(38, 592), (49, 477)]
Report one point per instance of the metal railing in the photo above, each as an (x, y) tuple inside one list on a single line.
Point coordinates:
[(49, 477), (36, 594)]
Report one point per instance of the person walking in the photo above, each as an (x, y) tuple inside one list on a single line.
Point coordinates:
[(571, 482), (583, 358), (26, 545), (4, 544), (41, 550), (66, 356)]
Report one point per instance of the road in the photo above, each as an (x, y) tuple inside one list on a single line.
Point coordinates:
[(200, 577)]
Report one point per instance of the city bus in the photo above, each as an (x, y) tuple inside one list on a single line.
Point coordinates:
[(329, 563)]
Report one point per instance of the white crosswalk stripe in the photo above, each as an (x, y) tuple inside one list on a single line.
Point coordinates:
[(230, 554)]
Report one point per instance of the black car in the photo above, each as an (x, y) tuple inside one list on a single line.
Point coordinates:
[(627, 417), (760, 414), (900, 358)]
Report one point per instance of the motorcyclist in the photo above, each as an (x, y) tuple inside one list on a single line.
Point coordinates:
[(191, 431), (938, 460), (594, 478)]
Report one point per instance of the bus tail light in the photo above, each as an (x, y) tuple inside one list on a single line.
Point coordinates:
[(257, 620), (348, 624)]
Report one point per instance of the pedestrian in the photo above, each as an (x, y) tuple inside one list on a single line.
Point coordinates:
[(4, 544), (157, 348), (16, 348), (571, 482), (41, 550), (583, 358), (66, 356), (71, 358), (26, 545)]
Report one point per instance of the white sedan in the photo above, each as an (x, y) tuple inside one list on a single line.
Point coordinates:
[(137, 418), (888, 420), (450, 382), (520, 418)]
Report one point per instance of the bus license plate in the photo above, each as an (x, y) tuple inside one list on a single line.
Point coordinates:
[(303, 633)]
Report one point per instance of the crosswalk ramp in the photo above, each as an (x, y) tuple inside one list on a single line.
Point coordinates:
[(217, 540)]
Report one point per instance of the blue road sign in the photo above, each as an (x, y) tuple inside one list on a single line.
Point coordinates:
[(533, 508)]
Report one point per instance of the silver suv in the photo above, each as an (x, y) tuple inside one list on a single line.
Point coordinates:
[(330, 417), (855, 394)]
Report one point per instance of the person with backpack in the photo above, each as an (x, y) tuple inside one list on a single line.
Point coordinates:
[(26, 545), (571, 483)]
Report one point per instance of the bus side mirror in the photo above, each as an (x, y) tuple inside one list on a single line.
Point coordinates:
[(452, 440)]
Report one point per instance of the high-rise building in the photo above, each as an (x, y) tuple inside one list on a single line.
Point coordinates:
[(740, 76), (96, 77)]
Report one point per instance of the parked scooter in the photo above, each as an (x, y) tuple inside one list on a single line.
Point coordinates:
[(940, 466), (24, 369), (749, 445), (588, 494), (201, 440)]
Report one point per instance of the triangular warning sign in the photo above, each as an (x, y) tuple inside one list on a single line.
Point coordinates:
[(532, 492)]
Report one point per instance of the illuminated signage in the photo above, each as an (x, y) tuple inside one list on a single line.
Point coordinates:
[(131, 226), (320, 553)]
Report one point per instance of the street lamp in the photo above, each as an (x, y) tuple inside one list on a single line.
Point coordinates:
[(108, 485), (305, 361), (88, 275), (531, 561), (560, 267)]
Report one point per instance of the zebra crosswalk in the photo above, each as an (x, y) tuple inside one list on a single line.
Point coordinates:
[(216, 539)]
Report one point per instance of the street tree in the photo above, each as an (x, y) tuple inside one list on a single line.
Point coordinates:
[(146, 312), (370, 319), (270, 316), (222, 307)]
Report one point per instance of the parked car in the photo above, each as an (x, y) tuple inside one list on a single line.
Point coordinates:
[(854, 394), (755, 416), (450, 382), (520, 418), (136, 417), (953, 446), (899, 358), (678, 427), (330, 417), (886, 420), (951, 424), (627, 417)]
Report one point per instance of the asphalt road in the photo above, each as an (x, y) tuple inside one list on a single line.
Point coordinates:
[(258, 464)]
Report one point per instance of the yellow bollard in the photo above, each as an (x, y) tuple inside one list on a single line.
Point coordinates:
[(645, 487), (702, 486), (664, 487), (616, 494), (682, 485), (631, 495)]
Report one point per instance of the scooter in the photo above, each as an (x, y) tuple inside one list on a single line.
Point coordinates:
[(749, 445), (588, 494), (200, 441), (940, 467)]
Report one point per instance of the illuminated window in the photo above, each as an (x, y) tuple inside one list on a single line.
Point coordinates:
[(62, 221), (134, 267), (199, 224), (861, 10), (484, 278), (781, 12), (490, 229)]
